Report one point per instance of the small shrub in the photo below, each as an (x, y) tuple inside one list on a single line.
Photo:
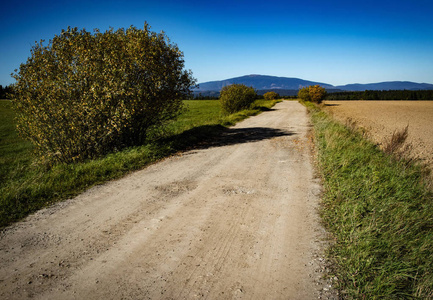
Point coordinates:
[(313, 93), (317, 93), (85, 95), (304, 94), (236, 97), (271, 96)]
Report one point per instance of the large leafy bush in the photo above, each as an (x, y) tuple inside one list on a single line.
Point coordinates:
[(84, 95), (236, 97)]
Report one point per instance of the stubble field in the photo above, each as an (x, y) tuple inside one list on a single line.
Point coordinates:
[(381, 118)]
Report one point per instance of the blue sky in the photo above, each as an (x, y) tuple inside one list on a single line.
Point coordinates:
[(337, 42)]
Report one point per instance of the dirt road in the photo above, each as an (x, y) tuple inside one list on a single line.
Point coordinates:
[(234, 220)]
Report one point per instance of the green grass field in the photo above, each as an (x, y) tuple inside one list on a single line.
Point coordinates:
[(14, 151), (380, 213), (26, 186)]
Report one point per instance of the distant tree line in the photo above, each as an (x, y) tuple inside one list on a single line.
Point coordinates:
[(4, 91), (382, 95), (214, 95), (201, 96)]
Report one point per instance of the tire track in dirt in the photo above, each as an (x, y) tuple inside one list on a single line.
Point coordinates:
[(234, 220)]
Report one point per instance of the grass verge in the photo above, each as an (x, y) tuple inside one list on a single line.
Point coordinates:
[(26, 187), (380, 213)]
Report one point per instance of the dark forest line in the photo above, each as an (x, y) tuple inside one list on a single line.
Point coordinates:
[(382, 95), (4, 91)]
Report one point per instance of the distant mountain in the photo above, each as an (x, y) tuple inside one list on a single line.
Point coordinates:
[(261, 82), (385, 86), (283, 84)]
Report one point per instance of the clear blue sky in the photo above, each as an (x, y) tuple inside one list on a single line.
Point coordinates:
[(333, 41)]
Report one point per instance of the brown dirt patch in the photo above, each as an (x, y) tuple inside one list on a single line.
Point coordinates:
[(382, 118)]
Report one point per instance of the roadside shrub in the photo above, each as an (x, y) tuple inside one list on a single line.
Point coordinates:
[(236, 97), (271, 96), (317, 93), (304, 94), (313, 93), (84, 95)]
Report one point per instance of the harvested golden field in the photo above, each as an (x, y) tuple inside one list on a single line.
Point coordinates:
[(382, 118)]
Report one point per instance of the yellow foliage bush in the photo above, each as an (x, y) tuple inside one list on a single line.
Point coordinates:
[(84, 95), (313, 93)]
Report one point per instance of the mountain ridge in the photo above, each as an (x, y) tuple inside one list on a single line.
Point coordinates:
[(267, 82)]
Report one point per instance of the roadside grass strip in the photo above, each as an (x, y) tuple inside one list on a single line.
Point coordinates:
[(27, 186), (379, 212)]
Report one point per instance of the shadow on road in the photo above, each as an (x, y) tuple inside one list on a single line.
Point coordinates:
[(248, 135), (209, 136)]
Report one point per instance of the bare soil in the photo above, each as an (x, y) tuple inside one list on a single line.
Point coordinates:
[(234, 219), (382, 118)]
